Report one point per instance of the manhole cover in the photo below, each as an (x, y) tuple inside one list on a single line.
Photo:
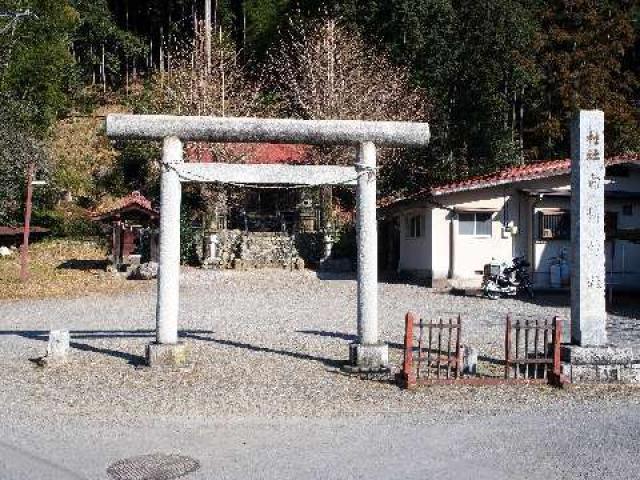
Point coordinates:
[(156, 466)]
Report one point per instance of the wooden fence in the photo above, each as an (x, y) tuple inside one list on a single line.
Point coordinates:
[(434, 353)]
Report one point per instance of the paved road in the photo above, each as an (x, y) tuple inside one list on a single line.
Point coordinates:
[(594, 442)]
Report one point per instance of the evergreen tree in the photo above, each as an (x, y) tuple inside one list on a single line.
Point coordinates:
[(35, 80), (583, 51), (99, 43)]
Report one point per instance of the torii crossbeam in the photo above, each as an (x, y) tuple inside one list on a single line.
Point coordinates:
[(368, 352)]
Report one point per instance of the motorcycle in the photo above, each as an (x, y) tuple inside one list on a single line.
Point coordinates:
[(509, 280)]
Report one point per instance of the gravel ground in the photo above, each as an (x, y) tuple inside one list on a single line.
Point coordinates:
[(265, 344)]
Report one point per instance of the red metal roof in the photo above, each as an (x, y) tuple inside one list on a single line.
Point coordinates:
[(520, 173), (247, 153)]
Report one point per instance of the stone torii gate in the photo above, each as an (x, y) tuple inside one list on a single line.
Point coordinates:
[(368, 352)]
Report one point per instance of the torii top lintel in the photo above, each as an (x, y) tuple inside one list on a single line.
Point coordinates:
[(268, 130)]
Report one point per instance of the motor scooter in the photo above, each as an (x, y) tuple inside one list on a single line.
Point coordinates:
[(503, 279)]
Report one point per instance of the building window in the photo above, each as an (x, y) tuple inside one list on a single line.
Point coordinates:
[(415, 226), (627, 210), (475, 223), (617, 171), (610, 224), (554, 225)]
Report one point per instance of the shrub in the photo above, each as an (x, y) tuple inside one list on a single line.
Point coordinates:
[(73, 223)]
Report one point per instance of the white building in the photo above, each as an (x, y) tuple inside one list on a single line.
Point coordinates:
[(447, 233)]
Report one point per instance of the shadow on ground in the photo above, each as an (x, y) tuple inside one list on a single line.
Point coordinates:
[(328, 362), (203, 336), (132, 359), (137, 360), (84, 265)]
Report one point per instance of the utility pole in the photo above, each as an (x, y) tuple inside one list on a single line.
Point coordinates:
[(207, 32), (24, 251)]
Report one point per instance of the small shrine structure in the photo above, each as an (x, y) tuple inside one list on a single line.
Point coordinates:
[(131, 224)]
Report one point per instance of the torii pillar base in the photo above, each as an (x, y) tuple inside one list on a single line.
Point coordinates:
[(167, 355), (368, 358)]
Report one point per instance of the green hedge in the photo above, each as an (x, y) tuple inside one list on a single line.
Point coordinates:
[(63, 225)]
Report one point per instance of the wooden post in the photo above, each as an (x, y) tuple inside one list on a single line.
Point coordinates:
[(408, 377), (557, 340), (115, 244), (507, 348), (449, 348), (459, 352), (24, 251)]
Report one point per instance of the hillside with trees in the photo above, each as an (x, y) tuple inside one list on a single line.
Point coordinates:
[(497, 80)]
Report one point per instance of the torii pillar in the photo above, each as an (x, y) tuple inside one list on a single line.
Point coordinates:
[(368, 352)]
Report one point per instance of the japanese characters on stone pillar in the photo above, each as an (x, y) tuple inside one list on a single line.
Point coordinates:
[(588, 309)]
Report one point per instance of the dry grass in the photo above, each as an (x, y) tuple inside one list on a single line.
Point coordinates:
[(62, 268), (81, 151)]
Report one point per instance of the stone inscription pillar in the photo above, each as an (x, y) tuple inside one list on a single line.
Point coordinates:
[(588, 309), (368, 352), (169, 259)]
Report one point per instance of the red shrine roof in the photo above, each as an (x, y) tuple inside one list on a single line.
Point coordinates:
[(530, 171), (247, 153), (133, 201)]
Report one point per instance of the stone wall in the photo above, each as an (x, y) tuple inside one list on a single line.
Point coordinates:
[(240, 250), (600, 364)]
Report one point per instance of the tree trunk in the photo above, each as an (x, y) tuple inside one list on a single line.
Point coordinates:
[(93, 67), (161, 52), (222, 76), (521, 126), (104, 72), (207, 32)]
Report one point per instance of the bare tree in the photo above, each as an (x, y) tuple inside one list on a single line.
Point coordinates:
[(326, 71), (18, 153), (191, 87)]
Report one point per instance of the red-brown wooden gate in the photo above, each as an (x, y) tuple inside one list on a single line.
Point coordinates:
[(529, 355)]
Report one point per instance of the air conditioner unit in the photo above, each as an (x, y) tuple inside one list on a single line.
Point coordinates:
[(547, 233)]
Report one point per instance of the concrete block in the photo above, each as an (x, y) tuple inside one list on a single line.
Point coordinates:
[(577, 355), (58, 345), (629, 374), (162, 355), (470, 360), (595, 373), (369, 356), (57, 349)]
